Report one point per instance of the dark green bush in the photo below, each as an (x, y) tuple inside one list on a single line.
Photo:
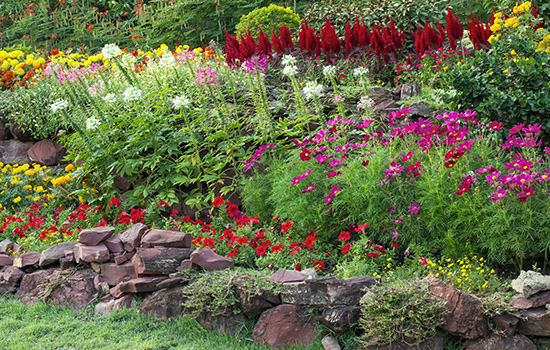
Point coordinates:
[(269, 18)]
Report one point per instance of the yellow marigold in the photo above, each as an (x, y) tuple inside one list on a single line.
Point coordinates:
[(36, 199), (29, 172), (17, 199), (496, 27), (69, 167), (39, 189)]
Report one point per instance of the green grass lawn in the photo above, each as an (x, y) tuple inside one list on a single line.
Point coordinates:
[(43, 326)]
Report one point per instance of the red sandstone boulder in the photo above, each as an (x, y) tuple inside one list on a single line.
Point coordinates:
[(506, 323), (98, 253), (5, 260), (74, 290), (47, 152), (121, 258), (284, 325), (536, 300), (114, 244), (340, 319), (94, 236), (107, 307), (162, 238), (284, 276), (131, 238), (11, 274), (164, 304), (115, 292), (113, 274), (466, 318), (228, 323), (52, 255), (141, 284), (535, 322), (496, 342), (27, 259), (209, 260), (160, 260), (254, 304)]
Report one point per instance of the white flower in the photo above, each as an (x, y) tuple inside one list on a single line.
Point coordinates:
[(131, 94), (360, 71), (59, 105), (110, 51), (312, 90), (167, 60), (288, 60), (92, 123), (329, 71), (290, 70), (365, 102), (181, 101), (127, 60), (110, 98)]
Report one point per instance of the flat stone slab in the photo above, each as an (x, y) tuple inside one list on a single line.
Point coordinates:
[(113, 274), (131, 238), (142, 284), (163, 238), (26, 259), (94, 236), (52, 255), (98, 253)]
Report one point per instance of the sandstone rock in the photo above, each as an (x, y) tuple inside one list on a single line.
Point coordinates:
[(410, 90), (114, 244), (284, 325), (113, 274), (4, 130), (535, 322), (162, 238), (340, 319), (20, 133), (5, 260), (225, 324), (131, 238), (186, 264), (386, 106), (73, 289), (327, 291), (253, 305), (466, 318), (7, 287), (141, 284), (123, 257), (100, 285), (107, 307), (98, 253), (116, 292), (170, 282), (6, 247), (12, 274), (160, 260), (94, 236), (52, 255), (436, 343), (330, 343), (14, 152), (27, 259), (536, 300), (506, 323), (420, 109), (380, 94), (531, 282), (164, 304), (209, 260), (47, 152), (285, 276), (67, 263), (496, 342), (16, 249)]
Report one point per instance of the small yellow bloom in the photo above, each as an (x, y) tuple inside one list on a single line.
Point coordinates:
[(17, 199), (69, 167), (513, 52)]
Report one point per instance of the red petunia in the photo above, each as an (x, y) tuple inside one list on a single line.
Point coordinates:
[(163, 203), (217, 202), (319, 265), (309, 242), (286, 226), (344, 236), (114, 201), (346, 248)]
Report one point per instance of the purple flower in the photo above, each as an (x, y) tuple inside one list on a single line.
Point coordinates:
[(323, 158), (299, 178), (333, 191), (205, 75), (255, 64), (413, 209)]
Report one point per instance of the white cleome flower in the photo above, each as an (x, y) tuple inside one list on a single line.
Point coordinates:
[(288, 59), (110, 51), (360, 71), (329, 71), (181, 101), (131, 94), (290, 70), (312, 89), (365, 102), (110, 98), (92, 123), (59, 105)]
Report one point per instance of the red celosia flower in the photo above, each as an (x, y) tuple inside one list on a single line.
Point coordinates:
[(344, 236), (319, 265), (217, 202), (286, 226)]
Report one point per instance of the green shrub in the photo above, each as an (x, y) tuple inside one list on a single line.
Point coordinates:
[(269, 18)]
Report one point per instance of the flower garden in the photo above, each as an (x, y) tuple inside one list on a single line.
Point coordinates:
[(290, 145)]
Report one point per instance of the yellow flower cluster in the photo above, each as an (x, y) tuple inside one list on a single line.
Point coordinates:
[(523, 8), (469, 274), (62, 180), (544, 44), (497, 25), (16, 60)]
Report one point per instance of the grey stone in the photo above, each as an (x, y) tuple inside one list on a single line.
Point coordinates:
[(531, 282)]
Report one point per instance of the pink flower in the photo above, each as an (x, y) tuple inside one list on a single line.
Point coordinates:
[(344, 236), (309, 188), (494, 125), (205, 75), (498, 195), (413, 209)]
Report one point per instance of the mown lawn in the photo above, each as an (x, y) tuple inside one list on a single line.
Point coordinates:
[(42, 326)]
